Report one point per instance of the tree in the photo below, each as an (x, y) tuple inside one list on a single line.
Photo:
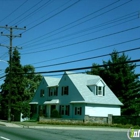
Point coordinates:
[(23, 84), (31, 82), (122, 80), (13, 82)]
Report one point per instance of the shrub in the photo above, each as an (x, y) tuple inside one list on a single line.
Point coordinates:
[(55, 114)]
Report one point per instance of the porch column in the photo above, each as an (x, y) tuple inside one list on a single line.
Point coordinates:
[(37, 109), (49, 111)]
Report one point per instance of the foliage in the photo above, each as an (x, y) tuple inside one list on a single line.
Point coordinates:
[(88, 124), (31, 81), (122, 80), (55, 114), (22, 85), (13, 81), (133, 120)]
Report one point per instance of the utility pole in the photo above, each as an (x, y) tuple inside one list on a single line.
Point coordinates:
[(10, 36)]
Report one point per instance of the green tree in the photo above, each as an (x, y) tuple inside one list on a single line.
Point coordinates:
[(23, 84), (13, 81), (31, 82), (122, 80)]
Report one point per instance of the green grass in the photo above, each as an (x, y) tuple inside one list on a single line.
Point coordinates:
[(70, 124), (88, 124)]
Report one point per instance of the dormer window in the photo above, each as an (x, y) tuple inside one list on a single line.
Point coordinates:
[(100, 90), (65, 90), (42, 93), (53, 91)]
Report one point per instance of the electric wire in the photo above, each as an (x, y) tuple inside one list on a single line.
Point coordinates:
[(14, 11), (73, 37), (48, 13), (88, 19), (87, 67), (104, 47), (25, 12), (33, 12), (52, 16), (88, 40), (69, 23), (84, 59), (80, 68)]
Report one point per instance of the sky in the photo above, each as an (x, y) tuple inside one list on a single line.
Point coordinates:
[(59, 31)]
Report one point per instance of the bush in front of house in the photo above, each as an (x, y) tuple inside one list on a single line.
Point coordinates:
[(55, 114)]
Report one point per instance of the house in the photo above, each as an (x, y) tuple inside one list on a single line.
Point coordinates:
[(74, 96)]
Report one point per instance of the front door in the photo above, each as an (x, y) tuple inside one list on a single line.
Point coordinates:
[(52, 108)]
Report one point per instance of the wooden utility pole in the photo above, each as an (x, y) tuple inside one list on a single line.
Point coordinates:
[(10, 36)]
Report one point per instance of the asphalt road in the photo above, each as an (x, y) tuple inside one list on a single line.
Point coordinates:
[(8, 133)]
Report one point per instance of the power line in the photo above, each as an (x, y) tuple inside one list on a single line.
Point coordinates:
[(2, 76), (77, 36), (90, 18), (88, 40), (71, 22), (49, 13), (90, 50), (81, 68), (53, 15), (67, 62), (88, 67), (33, 12), (14, 10), (78, 73), (25, 11)]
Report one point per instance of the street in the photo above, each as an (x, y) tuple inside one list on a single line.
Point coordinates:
[(8, 133)]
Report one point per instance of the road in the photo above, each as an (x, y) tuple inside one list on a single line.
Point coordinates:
[(8, 133)]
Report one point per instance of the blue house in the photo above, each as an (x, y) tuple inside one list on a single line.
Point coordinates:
[(74, 96)]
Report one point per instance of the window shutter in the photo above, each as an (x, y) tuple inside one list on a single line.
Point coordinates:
[(62, 91), (67, 90), (60, 109), (75, 110), (104, 91), (68, 110), (96, 90), (80, 110)]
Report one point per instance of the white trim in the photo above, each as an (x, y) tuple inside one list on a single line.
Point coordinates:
[(32, 103), (54, 101), (73, 102), (53, 86)]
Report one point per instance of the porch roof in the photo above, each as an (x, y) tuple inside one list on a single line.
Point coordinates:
[(54, 101), (31, 103)]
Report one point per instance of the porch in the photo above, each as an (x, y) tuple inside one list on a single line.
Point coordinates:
[(46, 109)]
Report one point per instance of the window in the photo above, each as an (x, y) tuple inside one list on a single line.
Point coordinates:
[(42, 93), (67, 110), (65, 90), (64, 110), (53, 91), (100, 91), (78, 110)]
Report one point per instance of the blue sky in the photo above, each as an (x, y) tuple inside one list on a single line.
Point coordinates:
[(58, 31)]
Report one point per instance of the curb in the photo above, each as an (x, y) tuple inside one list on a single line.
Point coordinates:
[(77, 128), (63, 127)]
